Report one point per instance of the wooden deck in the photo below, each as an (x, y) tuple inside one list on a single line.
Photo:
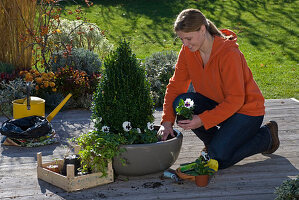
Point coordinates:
[(253, 178)]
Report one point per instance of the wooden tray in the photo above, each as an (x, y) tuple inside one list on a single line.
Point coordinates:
[(70, 182)]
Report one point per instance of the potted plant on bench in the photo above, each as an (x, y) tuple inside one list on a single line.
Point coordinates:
[(122, 112)]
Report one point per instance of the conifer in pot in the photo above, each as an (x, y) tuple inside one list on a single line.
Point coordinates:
[(123, 94)]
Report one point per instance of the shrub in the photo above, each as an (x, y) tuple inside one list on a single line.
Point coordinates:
[(160, 68), (123, 94), (15, 89), (81, 34), (288, 190), (79, 83), (79, 59)]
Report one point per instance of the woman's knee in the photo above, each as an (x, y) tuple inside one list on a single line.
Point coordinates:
[(222, 155)]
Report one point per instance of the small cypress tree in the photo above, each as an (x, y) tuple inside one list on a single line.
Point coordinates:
[(123, 93)]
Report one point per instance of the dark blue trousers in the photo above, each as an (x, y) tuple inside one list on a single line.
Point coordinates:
[(236, 138)]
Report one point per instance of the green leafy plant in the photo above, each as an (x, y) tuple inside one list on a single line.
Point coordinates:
[(160, 67), (97, 149), (288, 190), (198, 167), (185, 108)]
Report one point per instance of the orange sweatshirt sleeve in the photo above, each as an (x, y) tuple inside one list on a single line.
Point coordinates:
[(232, 80), (178, 84)]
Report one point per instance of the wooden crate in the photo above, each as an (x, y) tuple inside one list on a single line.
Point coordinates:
[(70, 182)]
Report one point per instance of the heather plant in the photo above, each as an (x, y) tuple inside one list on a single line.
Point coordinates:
[(72, 81), (7, 72), (123, 94), (160, 67), (288, 190), (80, 34), (80, 59)]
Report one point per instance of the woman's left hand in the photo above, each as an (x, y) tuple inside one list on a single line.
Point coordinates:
[(190, 124)]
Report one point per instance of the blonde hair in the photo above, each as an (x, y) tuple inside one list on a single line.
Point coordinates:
[(191, 20)]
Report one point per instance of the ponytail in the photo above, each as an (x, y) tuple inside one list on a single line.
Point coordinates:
[(213, 30)]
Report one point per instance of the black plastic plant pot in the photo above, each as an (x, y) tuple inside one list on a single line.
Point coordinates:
[(71, 159), (180, 117)]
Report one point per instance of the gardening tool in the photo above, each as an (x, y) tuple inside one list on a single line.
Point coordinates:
[(28, 106), (31, 106)]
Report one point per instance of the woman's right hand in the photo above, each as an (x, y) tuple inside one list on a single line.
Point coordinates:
[(165, 130)]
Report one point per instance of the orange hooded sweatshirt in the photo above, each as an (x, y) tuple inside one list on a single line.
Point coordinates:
[(226, 79)]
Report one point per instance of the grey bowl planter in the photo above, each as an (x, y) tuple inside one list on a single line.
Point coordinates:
[(142, 159)]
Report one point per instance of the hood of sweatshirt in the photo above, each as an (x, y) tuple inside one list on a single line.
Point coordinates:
[(221, 44)]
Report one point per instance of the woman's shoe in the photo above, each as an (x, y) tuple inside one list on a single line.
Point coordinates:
[(273, 128)]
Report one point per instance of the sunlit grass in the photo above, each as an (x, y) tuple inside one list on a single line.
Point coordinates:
[(267, 33)]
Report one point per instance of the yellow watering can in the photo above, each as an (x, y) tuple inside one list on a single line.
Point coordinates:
[(34, 106)]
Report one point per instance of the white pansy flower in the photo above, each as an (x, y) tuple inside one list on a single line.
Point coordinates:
[(127, 126), (150, 126), (105, 129), (138, 130), (189, 103), (97, 120)]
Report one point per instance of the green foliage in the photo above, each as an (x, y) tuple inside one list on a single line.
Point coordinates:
[(197, 168), (79, 59), (185, 109), (5, 67), (160, 68), (262, 28), (81, 34), (288, 190), (15, 89), (97, 149), (123, 93)]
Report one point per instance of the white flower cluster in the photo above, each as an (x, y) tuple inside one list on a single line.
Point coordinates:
[(127, 127)]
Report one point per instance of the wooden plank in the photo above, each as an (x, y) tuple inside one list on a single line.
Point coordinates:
[(253, 178)]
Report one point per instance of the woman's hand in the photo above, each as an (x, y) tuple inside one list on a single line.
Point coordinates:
[(190, 124), (165, 130)]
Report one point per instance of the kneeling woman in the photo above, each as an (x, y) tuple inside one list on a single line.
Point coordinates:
[(229, 106)]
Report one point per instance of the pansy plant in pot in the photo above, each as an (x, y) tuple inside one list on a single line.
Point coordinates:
[(200, 169), (185, 109)]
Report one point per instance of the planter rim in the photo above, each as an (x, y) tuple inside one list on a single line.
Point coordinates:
[(179, 135)]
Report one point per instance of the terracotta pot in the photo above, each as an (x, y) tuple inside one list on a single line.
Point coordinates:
[(142, 159), (202, 180), (183, 175)]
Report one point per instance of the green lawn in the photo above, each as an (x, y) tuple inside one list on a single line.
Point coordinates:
[(267, 33)]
